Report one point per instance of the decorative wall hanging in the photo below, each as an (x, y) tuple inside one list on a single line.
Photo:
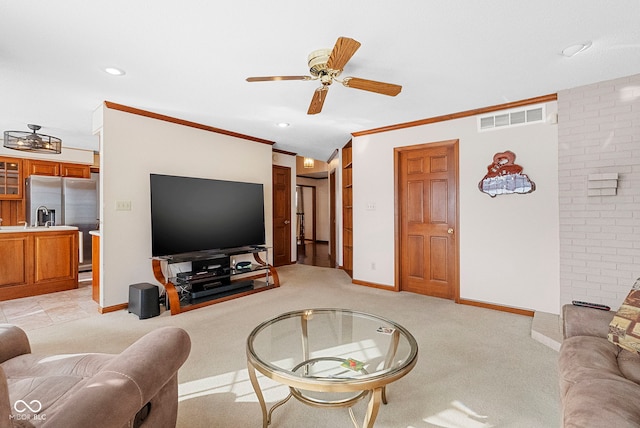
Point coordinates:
[(504, 177)]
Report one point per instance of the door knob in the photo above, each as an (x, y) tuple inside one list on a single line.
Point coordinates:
[(287, 222), (450, 231)]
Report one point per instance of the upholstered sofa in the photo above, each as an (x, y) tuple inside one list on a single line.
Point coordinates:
[(599, 381), (136, 388)]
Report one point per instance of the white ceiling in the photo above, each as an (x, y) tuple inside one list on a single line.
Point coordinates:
[(189, 59)]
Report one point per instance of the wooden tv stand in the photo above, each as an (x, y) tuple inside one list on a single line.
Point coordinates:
[(214, 278)]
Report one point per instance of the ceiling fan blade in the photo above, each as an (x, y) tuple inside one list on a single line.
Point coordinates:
[(342, 52), (318, 100), (273, 78), (372, 86)]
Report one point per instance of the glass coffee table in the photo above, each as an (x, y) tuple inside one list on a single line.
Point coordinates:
[(330, 358)]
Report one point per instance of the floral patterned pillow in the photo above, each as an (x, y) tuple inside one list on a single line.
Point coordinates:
[(624, 329)]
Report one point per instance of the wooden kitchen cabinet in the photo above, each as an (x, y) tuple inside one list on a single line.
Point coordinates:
[(38, 262), (16, 260), (40, 167), (10, 178), (75, 170), (62, 169), (14, 170)]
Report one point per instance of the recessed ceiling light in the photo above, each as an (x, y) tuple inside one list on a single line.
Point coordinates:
[(572, 50), (114, 71), (283, 124)]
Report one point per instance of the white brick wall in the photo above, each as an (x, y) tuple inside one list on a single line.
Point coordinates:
[(599, 132)]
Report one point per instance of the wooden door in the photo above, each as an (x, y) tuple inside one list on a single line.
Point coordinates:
[(281, 215), (427, 204)]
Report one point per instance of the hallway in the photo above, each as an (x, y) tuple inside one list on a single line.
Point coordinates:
[(314, 254)]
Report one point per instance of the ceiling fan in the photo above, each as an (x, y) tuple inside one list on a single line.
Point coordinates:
[(326, 65)]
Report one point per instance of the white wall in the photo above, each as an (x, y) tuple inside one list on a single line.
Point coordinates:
[(289, 161), (134, 146), (509, 245), (67, 155), (307, 195), (322, 210)]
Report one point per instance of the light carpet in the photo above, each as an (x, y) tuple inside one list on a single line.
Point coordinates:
[(476, 367)]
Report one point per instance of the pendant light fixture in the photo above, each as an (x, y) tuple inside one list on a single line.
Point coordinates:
[(32, 141)]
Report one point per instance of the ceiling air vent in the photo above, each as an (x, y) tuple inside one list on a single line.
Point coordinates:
[(509, 118)]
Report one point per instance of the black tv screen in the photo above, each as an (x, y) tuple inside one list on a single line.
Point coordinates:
[(197, 214)]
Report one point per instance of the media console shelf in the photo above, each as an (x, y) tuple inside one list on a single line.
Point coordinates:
[(213, 277)]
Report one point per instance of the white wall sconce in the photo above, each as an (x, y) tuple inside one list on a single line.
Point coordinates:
[(605, 184)]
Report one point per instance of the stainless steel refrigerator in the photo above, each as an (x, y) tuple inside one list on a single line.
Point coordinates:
[(64, 201)]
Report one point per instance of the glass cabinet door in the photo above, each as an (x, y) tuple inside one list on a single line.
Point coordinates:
[(10, 182)]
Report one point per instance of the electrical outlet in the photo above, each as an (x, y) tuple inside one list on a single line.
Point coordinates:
[(371, 206), (123, 205)]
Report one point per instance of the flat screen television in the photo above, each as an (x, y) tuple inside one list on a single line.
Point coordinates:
[(197, 214)]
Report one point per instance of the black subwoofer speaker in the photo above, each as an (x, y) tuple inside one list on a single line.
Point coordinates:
[(144, 300)]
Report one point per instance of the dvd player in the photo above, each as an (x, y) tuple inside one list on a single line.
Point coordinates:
[(210, 272), (222, 289)]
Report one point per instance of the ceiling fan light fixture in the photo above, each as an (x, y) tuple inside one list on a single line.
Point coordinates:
[(32, 141), (326, 65), (317, 62)]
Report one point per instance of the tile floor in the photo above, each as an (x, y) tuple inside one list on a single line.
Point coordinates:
[(30, 313)]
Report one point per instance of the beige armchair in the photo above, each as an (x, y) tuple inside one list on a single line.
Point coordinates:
[(136, 388)]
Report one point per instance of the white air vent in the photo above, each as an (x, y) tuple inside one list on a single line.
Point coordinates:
[(509, 118)]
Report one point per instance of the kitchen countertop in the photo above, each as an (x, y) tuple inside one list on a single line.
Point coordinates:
[(94, 232), (22, 229)]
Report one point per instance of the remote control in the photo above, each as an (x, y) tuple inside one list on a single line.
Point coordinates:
[(591, 305)]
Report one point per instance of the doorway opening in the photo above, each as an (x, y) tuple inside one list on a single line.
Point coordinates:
[(312, 249)]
